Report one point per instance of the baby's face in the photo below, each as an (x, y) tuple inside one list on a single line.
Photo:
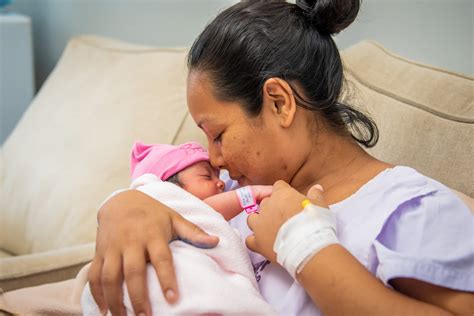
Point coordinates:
[(201, 180)]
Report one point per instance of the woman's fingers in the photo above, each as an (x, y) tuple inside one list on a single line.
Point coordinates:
[(262, 191), (130, 222), (162, 260), (251, 221), (134, 267), (112, 280), (280, 185), (250, 243), (315, 195), (263, 202), (192, 234), (95, 284)]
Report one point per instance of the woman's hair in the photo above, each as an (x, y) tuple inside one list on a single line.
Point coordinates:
[(253, 41)]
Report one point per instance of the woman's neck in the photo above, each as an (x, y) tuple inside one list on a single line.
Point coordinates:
[(339, 165)]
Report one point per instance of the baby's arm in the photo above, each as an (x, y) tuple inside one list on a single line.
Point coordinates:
[(227, 203)]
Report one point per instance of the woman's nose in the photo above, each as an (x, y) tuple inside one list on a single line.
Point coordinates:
[(215, 158)]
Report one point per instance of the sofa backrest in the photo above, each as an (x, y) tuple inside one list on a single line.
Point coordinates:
[(71, 148), (425, 115)]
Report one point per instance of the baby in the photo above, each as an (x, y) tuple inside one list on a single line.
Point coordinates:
[(188, 166), (217, 281)]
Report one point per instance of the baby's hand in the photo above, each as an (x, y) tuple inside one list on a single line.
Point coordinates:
[(261, 191)]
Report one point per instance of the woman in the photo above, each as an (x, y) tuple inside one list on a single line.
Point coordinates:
[(265, 86)]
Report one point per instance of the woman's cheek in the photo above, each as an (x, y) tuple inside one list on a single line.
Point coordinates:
[(231, 161)]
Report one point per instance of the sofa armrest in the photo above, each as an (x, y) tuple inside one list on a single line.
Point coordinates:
[(45, 267)]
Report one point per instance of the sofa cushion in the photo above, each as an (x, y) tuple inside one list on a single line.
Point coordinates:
[(49, 266), (425, 115), (71, 148), (4, 254)]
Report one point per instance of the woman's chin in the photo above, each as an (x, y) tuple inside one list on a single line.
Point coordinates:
[(243, 181)]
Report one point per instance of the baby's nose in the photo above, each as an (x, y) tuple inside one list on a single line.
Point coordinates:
[(220, 185)]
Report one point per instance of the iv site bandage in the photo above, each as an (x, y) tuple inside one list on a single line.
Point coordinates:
[(303, 235), (247, 200)]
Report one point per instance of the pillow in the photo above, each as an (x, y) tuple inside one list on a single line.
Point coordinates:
[(71, 148), (425, 115)]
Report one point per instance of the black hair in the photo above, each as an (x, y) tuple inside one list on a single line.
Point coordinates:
[(253, 41), (175, 180)]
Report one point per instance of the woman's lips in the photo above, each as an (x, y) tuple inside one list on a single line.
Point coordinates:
[(240, 179)]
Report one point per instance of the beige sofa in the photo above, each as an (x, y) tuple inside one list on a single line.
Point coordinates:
[(71, 148)]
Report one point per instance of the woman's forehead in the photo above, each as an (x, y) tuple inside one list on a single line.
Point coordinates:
[(201, 101), (199, 86), (203, 105), (211, 114)]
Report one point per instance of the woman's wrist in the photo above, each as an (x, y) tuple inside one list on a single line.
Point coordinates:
[(112, 207), (107, 199), (303, 236)]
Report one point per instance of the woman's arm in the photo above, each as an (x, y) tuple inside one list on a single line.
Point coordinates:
[(458, 302), (338, 284), (134, 229), (335, 280), (227, 203)]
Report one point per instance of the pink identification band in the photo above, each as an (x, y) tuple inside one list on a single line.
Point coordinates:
[(247, 200)]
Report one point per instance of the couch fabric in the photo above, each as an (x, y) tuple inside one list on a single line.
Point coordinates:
[(71, 147), (425, 115)]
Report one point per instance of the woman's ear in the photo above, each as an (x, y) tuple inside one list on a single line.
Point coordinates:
[(278, 98)]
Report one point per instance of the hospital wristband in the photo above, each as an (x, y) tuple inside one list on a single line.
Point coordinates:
[(304, 235), (247, 200)]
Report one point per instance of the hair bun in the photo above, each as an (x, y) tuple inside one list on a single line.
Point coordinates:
[(330, 16)]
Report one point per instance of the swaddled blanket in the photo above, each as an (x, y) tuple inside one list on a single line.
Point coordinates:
[(211, 281)]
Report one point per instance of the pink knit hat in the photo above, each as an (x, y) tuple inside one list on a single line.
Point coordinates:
[(165, 160)]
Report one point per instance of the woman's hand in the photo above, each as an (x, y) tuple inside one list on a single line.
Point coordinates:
[(133, 229), (284, 203), (261, 191)]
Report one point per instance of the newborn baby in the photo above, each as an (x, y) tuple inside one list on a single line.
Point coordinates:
[(188, 166), (217, 281)]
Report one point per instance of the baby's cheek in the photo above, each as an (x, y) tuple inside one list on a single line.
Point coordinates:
[(208, 191), (215, 190)]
